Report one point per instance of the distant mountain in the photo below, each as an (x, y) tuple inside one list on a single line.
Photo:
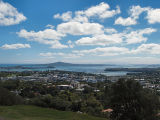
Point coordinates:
[(71, 64)]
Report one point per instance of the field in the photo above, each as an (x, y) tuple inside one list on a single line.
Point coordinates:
[(22, 112)]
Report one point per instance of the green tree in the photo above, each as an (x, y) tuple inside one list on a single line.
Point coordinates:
[(130, 101), (91, 106), (8, 98)]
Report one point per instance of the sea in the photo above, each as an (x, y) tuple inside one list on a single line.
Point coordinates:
[(95, 69)]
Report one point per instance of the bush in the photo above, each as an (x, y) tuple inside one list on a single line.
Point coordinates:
[(51, 102), (8, 98)]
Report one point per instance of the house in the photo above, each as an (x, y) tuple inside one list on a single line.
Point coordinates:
[(107, 110), (64, 87)]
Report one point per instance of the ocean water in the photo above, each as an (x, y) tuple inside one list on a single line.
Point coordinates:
[(98, 69)]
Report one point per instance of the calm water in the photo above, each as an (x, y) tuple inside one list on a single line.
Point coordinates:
[(88, 69)]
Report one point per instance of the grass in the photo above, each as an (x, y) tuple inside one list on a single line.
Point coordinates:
[(24, 112)]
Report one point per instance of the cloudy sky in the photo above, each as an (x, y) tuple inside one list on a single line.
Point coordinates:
[(80, 31)]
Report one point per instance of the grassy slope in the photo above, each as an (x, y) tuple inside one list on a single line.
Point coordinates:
[(22, 112)]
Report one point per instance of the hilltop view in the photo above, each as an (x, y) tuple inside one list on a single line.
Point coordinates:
[(79, 60)]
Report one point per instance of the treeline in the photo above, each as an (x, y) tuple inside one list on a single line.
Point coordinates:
[(126, 98), (66, 100)]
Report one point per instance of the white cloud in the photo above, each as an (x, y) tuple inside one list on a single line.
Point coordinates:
[(77, 28), (48, 37), (9, 15), (132, 37), (102, 40), (147, 49), (97, 10), (47, 34), (80, 17), (153, 16), (105, 51), (15, 46), (101, 11), (134, 12), (57, 45), (125, 21), (60, 54), (108, 14), (67, 16), (110, 30), (138, 35), (112, 53), (50, 26)]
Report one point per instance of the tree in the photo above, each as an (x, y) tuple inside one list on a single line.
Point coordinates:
[(91, 106), (8, 98), (130, 101), (10, 84)]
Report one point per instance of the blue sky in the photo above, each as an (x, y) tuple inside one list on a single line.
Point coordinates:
[(77, 31)]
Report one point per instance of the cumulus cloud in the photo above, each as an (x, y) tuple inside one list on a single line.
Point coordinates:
[(132, 37), (57, 45), (147, 49), (80, 17), (104, 51), (77, 24), (9, 15), (67, 16), (47, 36), (101, 11), (125, 21), (153, 16), (102, 40), (138, 35), (77, 28), (15, 46), (134, 13), (110, 30)]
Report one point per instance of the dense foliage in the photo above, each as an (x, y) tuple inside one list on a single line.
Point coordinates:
[(127, 98), (130, 101), (8, 98)]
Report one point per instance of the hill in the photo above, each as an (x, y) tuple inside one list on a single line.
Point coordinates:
[(23, 112)]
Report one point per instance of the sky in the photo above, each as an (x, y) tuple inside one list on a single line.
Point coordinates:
[(80, 31)]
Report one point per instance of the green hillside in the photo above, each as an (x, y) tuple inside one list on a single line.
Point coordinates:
[(22, 112)]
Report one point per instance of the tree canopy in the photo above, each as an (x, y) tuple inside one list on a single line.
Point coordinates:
[(130, 101)]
